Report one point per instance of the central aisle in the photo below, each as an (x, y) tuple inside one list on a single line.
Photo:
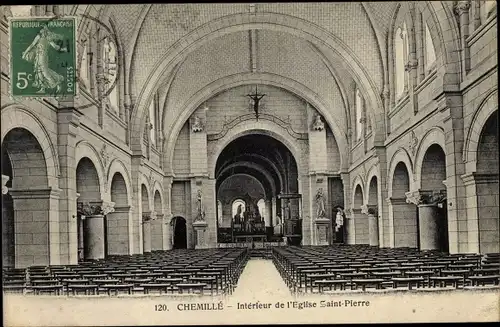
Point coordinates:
[(259, 281)]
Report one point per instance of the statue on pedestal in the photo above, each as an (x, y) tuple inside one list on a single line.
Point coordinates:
[(320, 204), (200, 216)]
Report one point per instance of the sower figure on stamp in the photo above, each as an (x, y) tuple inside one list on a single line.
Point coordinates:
[(38, 53)]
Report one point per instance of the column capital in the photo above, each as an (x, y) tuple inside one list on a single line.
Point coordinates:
[(422, 197), (5, 179), (462, 7), (95, 208), (369, 209), (148, 216)]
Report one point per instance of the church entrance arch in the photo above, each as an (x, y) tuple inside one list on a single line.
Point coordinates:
[(257, 186)]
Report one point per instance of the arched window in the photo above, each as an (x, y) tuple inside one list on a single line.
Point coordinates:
[(152, 122), (430, 53), (110, 71), (359, 115), (401, 50), (236, 204), (261, 204), (84, 68)]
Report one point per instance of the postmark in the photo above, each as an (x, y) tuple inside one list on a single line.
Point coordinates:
[(43, 57)]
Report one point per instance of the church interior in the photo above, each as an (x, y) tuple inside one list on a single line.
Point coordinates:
[(335, 146)]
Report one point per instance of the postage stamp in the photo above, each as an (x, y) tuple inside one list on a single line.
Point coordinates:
[(43, 56)]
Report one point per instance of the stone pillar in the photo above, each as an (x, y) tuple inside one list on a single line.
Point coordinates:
[(93, 227), (427, 202), (273, 210), (93, 231), (322, 226), (68, 122), (167, 235), (5, 179), (360, 222), (402, 223), (36, 226), (349, 227), (200, 230), (158, 232), (462, 8), (118, 231), (373, 233), (482, 212), (147, 218), (268, 214)]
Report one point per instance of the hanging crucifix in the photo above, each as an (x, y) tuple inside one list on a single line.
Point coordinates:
[(256, 97)]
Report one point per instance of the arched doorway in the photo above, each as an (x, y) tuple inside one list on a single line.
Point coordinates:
[(372, 212), (404, 215), (26, 207), (92, 238), (117, 231), (487, 187), (253, 168), (432, 208), (179, 233)]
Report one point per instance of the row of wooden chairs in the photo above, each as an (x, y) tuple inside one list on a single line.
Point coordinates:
[(176, 272), (353, 267)]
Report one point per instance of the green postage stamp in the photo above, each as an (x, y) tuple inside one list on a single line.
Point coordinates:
[(43, 56)]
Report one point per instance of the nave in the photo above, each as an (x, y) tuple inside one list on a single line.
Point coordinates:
[(236, 273)]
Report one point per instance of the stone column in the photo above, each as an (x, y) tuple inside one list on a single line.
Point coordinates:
[(273, 210), (167, 230), (158, 232), (349, 227), (268, 214), (402, 223), (360, 222), (36, 226), (93, 227), (462, 8), (147, 218), (68, 123), (482, 212), (428, 215), (118, 231), (372, 213)]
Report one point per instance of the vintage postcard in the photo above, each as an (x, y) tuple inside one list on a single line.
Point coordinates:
[(250, 163)]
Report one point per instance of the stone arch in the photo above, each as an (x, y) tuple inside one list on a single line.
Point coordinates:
[(372, 191), (252, 78), (84, 149), (16, 116), (373, 172), (401, 155), (246, 21), (433, 136), (158, 203), (145, 198), (119, 190), (260, 170), (486, 108), (117, 166), (358, 196), (263, 127)]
